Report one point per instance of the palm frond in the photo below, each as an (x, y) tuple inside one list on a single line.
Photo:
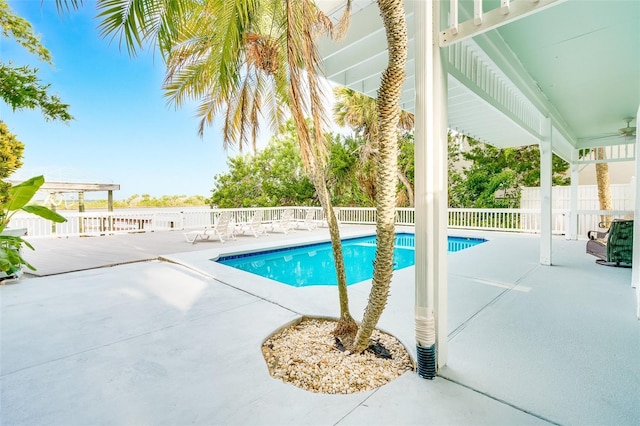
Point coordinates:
[(66, 6), (136, 22)]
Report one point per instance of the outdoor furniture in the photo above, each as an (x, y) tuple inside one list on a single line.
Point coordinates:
[(223, 229), (284, 224), (336, 212), (614, 247), (310, 220), (254, 226)]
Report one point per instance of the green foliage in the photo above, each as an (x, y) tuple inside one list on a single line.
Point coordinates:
[(272, 177), (18, 199), (406, 168), (345, 172), (11, 150), (20, 86), (136, 201), (275, 176), (483, 176), (13, 26), (143, 201)]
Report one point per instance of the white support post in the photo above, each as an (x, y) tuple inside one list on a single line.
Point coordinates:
[(635, 272), (505, 6), (477, 12), (431, 181), (453, 16), (572, 232), (545, 193)]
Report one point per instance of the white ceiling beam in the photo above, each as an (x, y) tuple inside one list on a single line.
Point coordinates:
[(506, 13)]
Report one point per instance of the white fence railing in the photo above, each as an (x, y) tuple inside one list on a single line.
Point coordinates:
[(127, 221)]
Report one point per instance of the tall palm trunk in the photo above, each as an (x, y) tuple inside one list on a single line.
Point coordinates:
[(392, 12), (301, 52), (604, 187), (346, 327)]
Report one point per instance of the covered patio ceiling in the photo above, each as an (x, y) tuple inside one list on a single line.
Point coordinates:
[(575, 61)]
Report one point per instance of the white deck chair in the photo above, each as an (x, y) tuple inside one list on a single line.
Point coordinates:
[(254, 227), (223, 229), (310, 221), (284, 224)]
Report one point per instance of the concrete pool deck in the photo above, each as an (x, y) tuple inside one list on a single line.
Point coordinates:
[(169, 337)]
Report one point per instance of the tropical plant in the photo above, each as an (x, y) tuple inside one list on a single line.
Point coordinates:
[(603, 184), (230, 54), (20, 195), (11, 150), (388, 103), (241, 59), (20, 88), (360, 112)]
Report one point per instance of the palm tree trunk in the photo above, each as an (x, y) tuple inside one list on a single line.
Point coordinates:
[(408, 187), (392, 12), (314, 150), (346, 327), (604, 187)]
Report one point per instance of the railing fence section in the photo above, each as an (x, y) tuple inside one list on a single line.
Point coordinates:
[(127, 221)]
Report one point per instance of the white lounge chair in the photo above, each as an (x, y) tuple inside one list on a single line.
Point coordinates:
[(310, 221), (254, 226), (336, 212), (223, 229), (284, 224)]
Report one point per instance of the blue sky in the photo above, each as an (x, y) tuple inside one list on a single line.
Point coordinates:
[(124, 132)]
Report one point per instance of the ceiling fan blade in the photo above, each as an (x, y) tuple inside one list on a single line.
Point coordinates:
[(605, 136)]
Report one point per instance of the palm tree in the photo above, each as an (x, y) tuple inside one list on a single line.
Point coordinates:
[(388, 103), (218, 52), (360, 112), (242, 59), (604, 187), (602, 182)]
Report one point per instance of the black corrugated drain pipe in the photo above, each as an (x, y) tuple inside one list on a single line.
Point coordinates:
[(427, 361)]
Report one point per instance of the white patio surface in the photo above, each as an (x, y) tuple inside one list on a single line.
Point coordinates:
[(176, 340)]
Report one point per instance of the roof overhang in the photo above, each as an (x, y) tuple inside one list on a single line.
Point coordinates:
[(574, 62)]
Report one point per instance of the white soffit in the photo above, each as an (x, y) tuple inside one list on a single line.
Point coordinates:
[(593, 100), (358, 60)]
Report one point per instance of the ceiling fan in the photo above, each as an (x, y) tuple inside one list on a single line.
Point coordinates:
[(627, 132)]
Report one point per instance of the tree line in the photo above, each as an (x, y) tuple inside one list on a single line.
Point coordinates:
[(480, 175)]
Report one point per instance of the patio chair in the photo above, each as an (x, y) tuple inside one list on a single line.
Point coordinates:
[(254, 226), (223, 229), (614, 247), (284, 224), (310, 221)]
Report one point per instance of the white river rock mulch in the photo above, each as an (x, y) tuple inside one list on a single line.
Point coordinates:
[(305, 355)]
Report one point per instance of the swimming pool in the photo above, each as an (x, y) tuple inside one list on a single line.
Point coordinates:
[(313, 264)]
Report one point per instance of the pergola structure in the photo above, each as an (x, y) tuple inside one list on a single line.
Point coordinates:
[(80, 189), (562, 74)]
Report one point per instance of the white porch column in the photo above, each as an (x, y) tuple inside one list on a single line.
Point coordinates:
[(635, 273), (545, 193), (430, 182), (572, 232)]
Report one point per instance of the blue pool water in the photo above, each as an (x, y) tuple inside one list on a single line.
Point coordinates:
[(313, 264)]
